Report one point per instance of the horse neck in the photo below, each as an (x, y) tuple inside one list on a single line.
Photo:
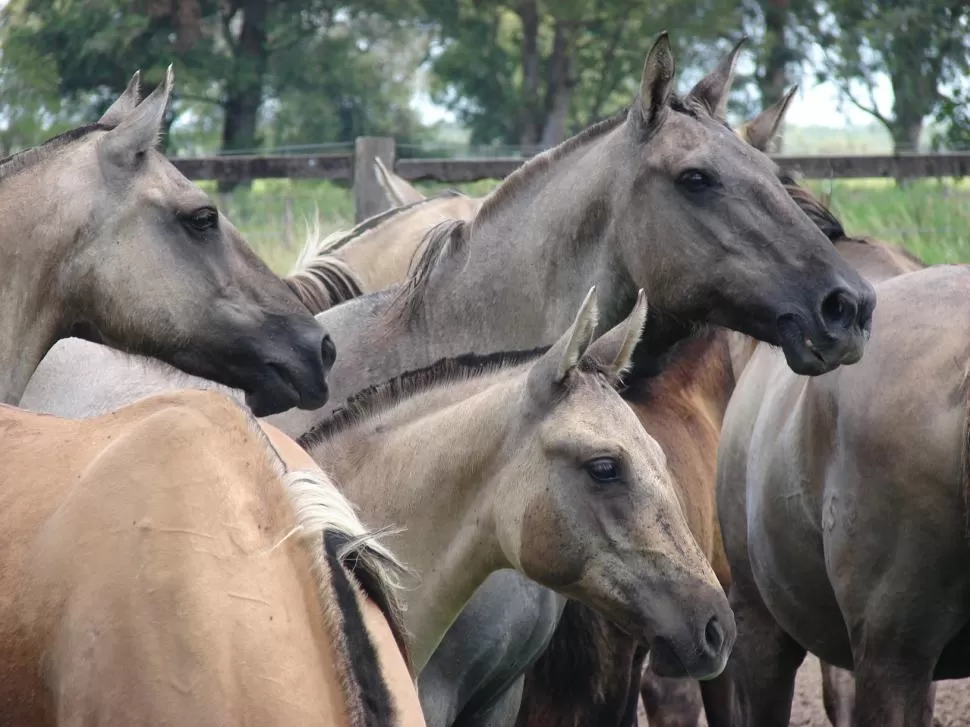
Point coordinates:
[(32, 261), (534, 249), (429, 463)]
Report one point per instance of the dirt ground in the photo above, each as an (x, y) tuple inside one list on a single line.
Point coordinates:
[(952, 701)]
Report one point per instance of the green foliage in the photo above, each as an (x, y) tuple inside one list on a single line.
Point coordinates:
[(279, 70)]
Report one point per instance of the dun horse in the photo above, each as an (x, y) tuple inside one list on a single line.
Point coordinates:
[(164, 564), (103, 238), (843, 502), (538, 466)]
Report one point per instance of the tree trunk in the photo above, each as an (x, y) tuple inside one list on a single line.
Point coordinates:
[(244, 88), (776, 55), (528, 12), (559, 88)]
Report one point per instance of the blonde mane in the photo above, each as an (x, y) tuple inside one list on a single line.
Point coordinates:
[(321, 511), (320, 279)]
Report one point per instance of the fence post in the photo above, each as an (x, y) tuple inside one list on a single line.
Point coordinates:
[(369, 198)]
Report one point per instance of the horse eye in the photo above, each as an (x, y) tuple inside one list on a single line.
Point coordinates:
[(695, 180), (604, 469), (203, 220)]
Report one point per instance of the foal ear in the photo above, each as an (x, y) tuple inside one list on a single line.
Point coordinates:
[(761, 130), (613, 351), (138, 131), (124, 104), (397, 190), (714, 90), (657, 83), (550, 371)]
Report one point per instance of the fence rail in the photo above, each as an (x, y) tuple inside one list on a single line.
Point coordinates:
[(357, 167)]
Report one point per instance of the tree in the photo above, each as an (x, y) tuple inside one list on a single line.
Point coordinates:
[(239, 61), (921, 47), (529, 72)]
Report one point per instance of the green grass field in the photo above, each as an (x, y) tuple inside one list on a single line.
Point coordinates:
[(929, 217)]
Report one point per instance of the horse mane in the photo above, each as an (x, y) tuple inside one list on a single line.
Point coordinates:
[(378, 398), (319, 278), (830, 225), (322, 512), (817, 212), (14, 163)]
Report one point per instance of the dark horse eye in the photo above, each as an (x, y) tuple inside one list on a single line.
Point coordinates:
[(603, 469), (695, 180), (202, 220)]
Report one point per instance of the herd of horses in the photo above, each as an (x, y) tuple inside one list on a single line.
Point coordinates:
[(630, 427)]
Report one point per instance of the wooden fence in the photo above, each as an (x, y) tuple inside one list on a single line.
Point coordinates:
[(358, 167)]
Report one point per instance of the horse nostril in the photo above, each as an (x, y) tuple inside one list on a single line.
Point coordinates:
[(714, 636), (839, 308), (328, 349)]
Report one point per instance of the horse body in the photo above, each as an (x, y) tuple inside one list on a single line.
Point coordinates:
[(843, 501), (103, 238), (160, 566)]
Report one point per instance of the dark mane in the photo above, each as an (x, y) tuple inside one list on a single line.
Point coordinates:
[(830, 225), (379, 397), (11, 165), (817, 212), (440, 241)]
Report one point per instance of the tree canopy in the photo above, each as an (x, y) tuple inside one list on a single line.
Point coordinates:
[(254, 74)]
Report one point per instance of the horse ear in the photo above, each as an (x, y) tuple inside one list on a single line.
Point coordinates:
[(657, 83), (550, 371), (138, 131), (761, 130), (124, 104), (714, 90), (398, 191), (613, 351)]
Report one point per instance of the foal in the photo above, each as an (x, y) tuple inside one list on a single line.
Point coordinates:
[(538, 466)]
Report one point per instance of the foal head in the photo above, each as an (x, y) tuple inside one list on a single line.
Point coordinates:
[(595, 515)]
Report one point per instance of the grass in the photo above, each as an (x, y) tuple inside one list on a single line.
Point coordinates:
[(929, 217)]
